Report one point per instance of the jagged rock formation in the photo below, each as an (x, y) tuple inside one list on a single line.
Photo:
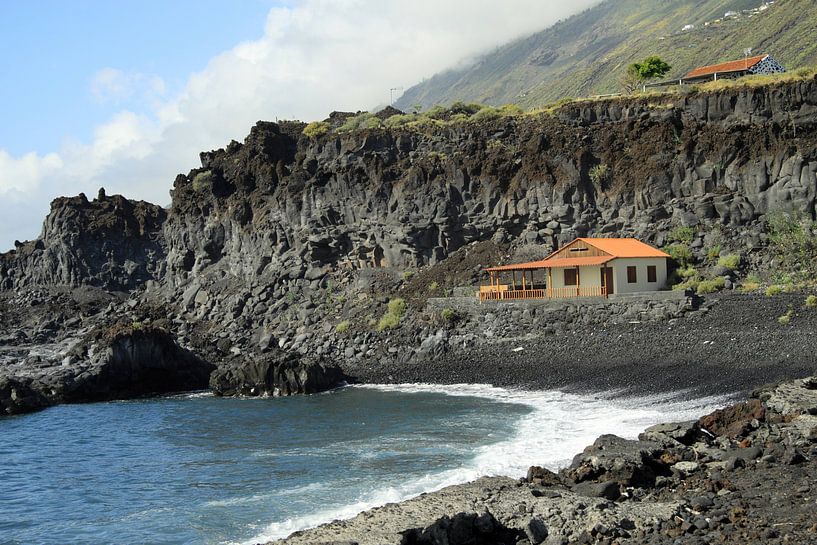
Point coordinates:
[(120, 363), (286, 206), (110, 242), (279, 375)]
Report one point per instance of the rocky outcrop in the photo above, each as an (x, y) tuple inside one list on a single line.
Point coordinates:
[(124, 362), (110, 242), (18, 396), (274, 376), (133, 361)]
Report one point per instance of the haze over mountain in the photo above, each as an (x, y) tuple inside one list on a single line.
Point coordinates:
[(588, 53)]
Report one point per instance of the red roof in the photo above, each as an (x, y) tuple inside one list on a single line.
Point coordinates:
[(614, 247), (731, 66), (624, 247), (556, 263)]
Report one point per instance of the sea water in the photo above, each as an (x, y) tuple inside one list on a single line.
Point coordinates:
[(201, 469)]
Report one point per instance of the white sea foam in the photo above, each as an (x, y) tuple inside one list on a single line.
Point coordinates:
[(558, 426)]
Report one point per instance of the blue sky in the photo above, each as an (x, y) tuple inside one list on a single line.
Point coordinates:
[(54, 48), (124, 94)]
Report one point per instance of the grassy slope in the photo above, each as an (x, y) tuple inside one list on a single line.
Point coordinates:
[(588, 53)]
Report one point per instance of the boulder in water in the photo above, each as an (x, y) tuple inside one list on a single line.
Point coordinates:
[(17, 396), (277, 374)]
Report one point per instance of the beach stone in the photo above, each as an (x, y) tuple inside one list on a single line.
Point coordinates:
[(609, 490), (682, 432), (685, 468), (612, 458), (536, 530), (542, 476), (734, 421), (743, 454)]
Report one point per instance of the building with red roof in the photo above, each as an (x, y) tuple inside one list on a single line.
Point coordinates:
[(586, 267), (759, 64)]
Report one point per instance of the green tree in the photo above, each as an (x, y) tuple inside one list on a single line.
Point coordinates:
[(640, 72)]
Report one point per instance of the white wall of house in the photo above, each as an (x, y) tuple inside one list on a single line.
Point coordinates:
[(620, 282), (588, 276)]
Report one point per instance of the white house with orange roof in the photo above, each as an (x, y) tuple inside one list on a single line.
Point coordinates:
[(586, 267)]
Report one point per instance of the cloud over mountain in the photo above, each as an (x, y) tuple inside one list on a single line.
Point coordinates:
[(315, 56)]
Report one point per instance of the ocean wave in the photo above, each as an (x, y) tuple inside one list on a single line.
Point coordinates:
[(558, 426)]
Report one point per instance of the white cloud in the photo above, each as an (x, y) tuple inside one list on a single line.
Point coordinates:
[(113, 85), (315, 56)]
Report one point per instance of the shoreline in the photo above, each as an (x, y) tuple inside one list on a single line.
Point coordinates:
[(682, 480)]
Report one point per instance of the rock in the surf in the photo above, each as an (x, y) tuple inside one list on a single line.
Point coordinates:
[(277, 374), (17, 396)]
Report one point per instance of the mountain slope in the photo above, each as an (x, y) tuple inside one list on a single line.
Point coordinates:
[(588, 53)]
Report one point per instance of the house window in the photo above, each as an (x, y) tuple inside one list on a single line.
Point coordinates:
[(571, 277), (632, 277), (652, 275)]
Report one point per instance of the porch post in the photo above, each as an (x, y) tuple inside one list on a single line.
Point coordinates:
[(550, 282), (523, 280), (578, 283), (513, 274)]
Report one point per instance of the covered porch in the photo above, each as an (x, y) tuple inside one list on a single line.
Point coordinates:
[(558, 278)]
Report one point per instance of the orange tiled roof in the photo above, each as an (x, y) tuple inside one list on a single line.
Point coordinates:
[(559, 263), (731, 66), (624, 247)]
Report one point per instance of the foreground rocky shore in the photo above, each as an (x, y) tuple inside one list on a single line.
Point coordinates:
[(743, 474)]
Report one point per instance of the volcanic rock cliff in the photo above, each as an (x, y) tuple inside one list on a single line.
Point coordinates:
[(284, 205), (273, 241)]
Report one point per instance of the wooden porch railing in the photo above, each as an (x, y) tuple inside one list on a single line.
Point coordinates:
[(502, 293), (581, 291)]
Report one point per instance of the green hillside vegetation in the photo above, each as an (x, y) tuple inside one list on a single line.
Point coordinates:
[(475, 113), (588, 54)]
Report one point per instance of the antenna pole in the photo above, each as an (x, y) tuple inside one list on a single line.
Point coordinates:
[(391, 94)]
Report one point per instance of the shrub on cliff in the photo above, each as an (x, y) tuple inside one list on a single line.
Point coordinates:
[(202, 180), (682, 234), (343, 326), (687, 272), (730, 262), (599, 175), (714, 252), (771, 291), (794, 243), (811, 301), (397, 307), (448, 315), (751, 283), (399, 120), (360, 121), (371, 123), (680, 253), (689, 284), (711, 286), (489, 113), (391, 319), (316, 129)]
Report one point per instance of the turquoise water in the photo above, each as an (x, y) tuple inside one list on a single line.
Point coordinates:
[(199, 469)]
